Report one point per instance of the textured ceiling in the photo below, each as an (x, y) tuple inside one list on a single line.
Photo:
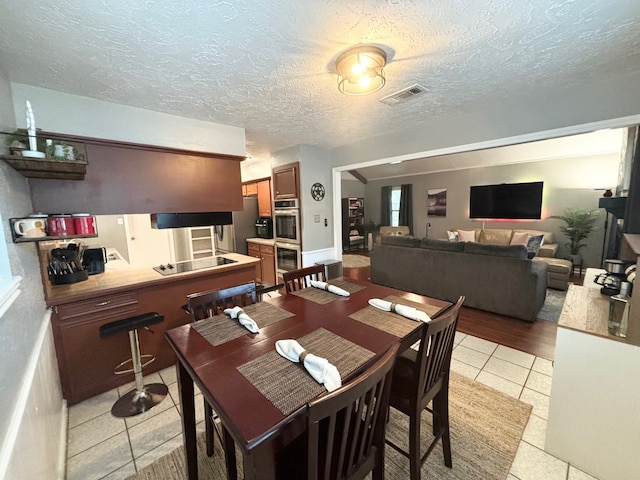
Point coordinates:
[(268, 65)]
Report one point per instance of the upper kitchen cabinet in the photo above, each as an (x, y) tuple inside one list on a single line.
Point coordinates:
[(285, 181), (264, 198), (132, 178)]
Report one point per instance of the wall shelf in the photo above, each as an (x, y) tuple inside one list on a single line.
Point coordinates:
[(47, 168), (18, 239)]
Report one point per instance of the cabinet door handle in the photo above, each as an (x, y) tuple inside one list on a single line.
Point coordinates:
[(102, 304)]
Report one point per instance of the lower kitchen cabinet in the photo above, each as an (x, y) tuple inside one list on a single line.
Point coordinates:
[(86, 361), (266, 271)]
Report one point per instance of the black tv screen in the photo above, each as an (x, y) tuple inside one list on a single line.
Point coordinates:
[(507, 200)]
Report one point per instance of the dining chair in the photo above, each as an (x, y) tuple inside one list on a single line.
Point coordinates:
[(207, 304), (346, 428), (422, 376), (299, 279)]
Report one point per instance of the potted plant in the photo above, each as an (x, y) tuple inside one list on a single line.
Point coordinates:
[(579, 225)]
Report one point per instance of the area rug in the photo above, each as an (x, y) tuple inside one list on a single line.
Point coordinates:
[(486, 428), (552, 305), (355, 261)]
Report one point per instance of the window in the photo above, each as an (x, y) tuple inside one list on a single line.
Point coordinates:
[(396, 193)]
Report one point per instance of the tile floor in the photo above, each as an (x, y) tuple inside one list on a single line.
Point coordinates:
[(103, 447)]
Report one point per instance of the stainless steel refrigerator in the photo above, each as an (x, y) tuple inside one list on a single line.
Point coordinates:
[(233, 238)]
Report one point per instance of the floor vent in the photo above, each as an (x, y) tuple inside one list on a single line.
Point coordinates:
[(404, 95)]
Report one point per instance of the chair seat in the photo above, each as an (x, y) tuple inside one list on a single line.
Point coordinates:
[(131, 323)]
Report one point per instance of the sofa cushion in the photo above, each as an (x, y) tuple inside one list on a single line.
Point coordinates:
[(519, 238), (466, 235), (495, 236), (433, 244), (548, 236), (452, 236), (400, 241), (511, 251)]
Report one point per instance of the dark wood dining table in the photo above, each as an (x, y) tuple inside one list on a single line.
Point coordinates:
[(248, 418)]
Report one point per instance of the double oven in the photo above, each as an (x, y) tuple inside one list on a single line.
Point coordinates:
[(286, 226)]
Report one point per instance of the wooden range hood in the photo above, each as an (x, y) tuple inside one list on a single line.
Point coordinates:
[(128, 178)]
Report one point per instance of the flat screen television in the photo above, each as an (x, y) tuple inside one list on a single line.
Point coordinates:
[(507, 200)]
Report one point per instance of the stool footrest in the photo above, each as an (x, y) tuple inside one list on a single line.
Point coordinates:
[(118, 371), (131, 323)]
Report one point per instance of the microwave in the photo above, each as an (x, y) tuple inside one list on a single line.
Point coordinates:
[(286, 221)]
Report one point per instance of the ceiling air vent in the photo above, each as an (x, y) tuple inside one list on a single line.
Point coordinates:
[(404, 95)]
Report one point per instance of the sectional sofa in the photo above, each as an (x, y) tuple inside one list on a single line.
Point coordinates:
[(495, 278)]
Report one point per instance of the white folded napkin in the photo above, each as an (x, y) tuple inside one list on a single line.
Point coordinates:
[(329, 288), (244, 319), (404, 310), (319, 368)]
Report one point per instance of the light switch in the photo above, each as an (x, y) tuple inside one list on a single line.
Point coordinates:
[(316, 219)]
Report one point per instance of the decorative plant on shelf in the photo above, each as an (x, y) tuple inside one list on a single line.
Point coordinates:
[(579, 225)]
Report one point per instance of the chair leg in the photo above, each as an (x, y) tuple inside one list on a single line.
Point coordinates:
[(208, 427), (414, 446), (441, 402)]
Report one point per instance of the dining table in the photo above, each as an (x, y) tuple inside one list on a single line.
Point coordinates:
[(260, 397)]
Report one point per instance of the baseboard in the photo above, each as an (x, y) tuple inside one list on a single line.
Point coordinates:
[(62, 451)]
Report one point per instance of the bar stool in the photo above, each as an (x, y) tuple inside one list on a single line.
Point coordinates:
[(142, 397)]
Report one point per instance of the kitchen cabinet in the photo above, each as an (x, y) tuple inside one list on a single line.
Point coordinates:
[(131, 178), (252, 189), (266, 270), (85, 360), (286, 181), (264, 198)]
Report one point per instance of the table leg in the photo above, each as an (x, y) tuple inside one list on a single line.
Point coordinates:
[(260, 463), (229, 454), (187, 407)]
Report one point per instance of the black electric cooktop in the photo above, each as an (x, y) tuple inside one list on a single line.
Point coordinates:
[(190, 265)]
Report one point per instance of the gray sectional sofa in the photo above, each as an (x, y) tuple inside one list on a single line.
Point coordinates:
[(494, 278)]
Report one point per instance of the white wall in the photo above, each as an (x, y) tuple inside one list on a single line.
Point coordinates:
[(23, 330), (315, 167), (71, 114), (352, 188), (568, 182)]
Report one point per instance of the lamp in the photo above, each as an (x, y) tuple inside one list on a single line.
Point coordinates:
[(361, 70)]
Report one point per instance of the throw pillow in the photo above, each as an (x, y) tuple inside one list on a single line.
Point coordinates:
[(467, 235), (520, 238), (452, 236), (534, 244)]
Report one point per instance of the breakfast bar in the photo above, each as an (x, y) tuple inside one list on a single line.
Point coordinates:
[(85, 360)]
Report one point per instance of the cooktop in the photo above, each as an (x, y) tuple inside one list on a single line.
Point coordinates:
[(190, 265)]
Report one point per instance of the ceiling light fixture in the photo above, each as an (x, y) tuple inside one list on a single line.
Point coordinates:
[(361, 70)]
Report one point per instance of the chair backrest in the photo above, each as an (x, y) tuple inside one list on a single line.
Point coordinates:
[(434, 353), (346, 427), (207, 304), (299, 279)]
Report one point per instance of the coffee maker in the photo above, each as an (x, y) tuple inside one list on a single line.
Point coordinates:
[(612, 279)]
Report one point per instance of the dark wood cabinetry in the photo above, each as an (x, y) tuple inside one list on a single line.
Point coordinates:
[(86, 361), (285, 181), (266, 271), (131, 178)]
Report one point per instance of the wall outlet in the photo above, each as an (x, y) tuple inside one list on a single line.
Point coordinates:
[(316, 219)]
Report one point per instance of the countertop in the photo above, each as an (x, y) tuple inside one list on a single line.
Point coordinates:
[(123, 280), (263, 241), (587, 310)]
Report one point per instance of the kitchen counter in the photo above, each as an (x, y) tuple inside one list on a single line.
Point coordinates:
[(262, 241), (124, 280)]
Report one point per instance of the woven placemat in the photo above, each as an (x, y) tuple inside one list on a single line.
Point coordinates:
[(288, 385), (220, 329), (322, 296), (392, 322)]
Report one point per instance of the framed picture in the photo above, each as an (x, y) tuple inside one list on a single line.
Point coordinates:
[(437, 202)]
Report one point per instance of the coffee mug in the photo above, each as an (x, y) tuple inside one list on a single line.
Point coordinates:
[(84, 224), (60, 226), (30, 227)]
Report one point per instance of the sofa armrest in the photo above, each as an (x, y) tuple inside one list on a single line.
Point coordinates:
[(548, 250)]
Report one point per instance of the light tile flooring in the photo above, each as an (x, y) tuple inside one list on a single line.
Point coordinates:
[(103, 447)]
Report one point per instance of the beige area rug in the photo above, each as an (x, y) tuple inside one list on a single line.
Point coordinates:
[(355, 261), (486, 428)]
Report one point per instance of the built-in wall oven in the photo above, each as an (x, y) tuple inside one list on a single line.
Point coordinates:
[(286, 221), (288, 257)]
